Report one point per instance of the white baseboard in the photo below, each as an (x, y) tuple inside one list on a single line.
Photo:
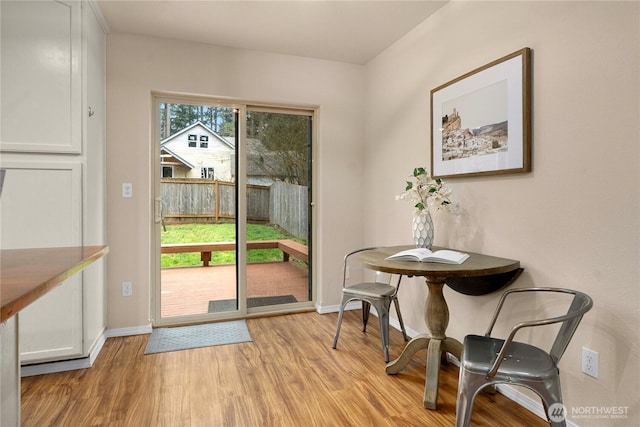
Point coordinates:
[(125, 332), (65, 365), (324, 309), (52, 367)]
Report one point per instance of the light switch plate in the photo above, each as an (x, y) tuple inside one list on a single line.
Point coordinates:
[(127, 189)]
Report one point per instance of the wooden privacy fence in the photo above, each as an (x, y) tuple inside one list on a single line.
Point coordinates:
[(289, 207), (191, 200)]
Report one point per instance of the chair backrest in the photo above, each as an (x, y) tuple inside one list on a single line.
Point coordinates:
[(345, 270), (580, 304), (388, 279), (380, 277)]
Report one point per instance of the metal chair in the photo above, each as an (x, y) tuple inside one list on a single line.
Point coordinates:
[(489, 361), (380, 294)]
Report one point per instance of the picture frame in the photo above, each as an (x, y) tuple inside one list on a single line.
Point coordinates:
[(481, 121)]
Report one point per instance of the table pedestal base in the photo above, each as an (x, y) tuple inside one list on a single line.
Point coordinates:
[(436, 348)]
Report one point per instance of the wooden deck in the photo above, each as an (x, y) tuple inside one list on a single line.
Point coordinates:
[(188, 290)]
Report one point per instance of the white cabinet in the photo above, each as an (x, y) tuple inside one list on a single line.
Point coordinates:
[(52, 75), (41, 206), (41, 76)]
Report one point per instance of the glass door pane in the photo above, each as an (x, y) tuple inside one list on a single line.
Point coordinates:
[(197, 198), (278, 147)]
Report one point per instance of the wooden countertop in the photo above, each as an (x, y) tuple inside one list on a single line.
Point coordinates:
[(28, 274)]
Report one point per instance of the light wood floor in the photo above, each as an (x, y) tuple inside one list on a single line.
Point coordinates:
[(288, 376)]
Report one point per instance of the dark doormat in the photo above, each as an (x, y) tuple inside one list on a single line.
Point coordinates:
[(230, 304)]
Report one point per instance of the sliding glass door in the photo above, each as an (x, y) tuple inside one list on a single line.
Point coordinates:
[(232, 210)]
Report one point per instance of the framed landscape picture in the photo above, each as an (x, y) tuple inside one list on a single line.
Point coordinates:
[(481, 121)]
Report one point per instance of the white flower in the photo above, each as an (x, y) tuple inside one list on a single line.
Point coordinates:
[(425, 193)]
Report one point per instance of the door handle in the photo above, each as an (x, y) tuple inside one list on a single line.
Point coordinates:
[(159, 213)]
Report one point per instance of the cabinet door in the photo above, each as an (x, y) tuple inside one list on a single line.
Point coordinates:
[(40, 78), (41, 206)]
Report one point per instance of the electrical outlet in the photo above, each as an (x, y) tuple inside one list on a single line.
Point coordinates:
[(590, 362), (127, 289)]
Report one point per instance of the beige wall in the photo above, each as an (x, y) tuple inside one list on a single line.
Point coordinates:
[(138, 65), (574, 220)]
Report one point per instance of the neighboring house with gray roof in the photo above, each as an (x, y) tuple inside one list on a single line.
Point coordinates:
[(197, 152)]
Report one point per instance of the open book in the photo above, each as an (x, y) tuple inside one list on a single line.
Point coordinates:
[(444, 256)]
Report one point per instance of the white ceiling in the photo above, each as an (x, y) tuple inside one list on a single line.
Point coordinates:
[(345, 31)]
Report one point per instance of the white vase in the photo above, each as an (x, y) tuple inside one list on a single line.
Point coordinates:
[(422, 229)]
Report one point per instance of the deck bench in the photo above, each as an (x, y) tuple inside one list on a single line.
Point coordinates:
[(288, 248)]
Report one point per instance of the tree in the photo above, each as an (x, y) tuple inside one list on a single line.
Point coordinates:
[(175, 117), (280, 145)]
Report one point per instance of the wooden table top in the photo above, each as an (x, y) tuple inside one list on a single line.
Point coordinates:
[(28, 274), (476, 265)]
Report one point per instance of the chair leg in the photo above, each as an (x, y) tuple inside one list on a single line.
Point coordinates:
[(404, 332), (551, 397), (383, 319), (468, 386), (366, 309), (335, 338)]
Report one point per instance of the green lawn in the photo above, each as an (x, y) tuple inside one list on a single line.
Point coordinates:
[(200, 233)]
